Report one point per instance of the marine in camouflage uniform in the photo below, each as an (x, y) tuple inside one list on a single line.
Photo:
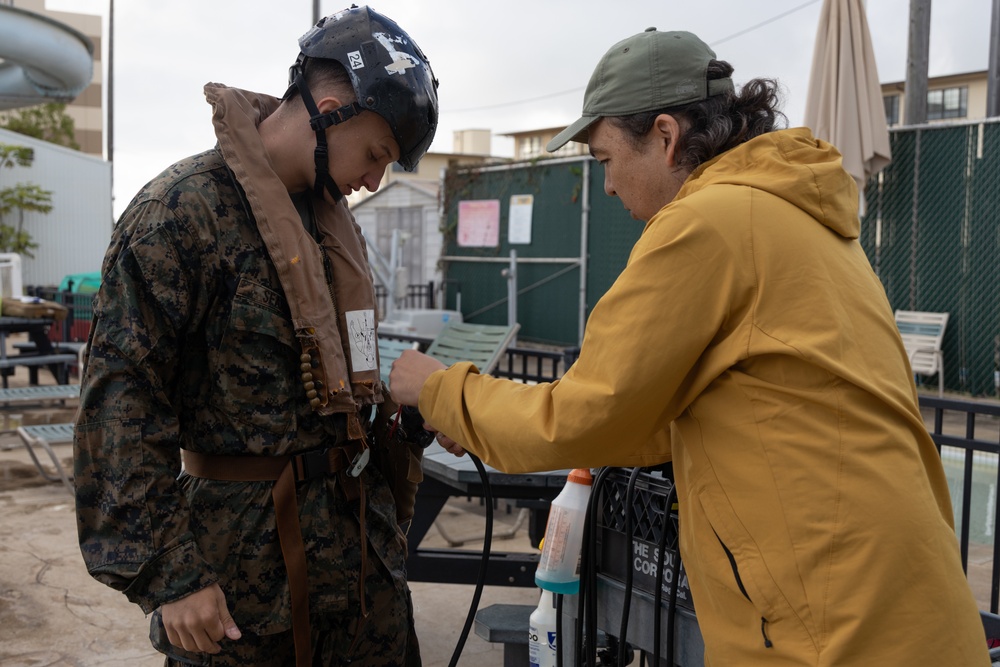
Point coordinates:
[(195, 346)]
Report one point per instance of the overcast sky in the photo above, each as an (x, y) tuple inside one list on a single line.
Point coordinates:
[(505, 66)]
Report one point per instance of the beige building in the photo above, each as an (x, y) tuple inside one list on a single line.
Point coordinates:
[(953, 97), (530, 144), (949, 98), (471, 147), (87, 110)]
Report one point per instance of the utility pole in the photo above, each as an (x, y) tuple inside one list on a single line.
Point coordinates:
[(111, 94), (915, 112), (993, 75)]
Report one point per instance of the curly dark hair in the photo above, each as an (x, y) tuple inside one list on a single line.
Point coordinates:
[(717, 123)]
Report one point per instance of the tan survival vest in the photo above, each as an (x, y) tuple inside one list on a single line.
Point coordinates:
[(342, 352)]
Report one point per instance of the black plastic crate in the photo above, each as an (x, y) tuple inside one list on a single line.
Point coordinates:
[(615, 553)]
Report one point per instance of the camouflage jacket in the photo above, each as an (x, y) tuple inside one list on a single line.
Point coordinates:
[(192, 346)]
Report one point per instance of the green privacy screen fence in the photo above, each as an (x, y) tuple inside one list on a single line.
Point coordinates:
[(555, 283), (932, 233)]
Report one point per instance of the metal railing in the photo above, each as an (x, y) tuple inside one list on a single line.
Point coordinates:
[(533, 366), (957, 429), (417, 296)]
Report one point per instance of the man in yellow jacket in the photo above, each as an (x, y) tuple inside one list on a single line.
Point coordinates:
[(749, 341)]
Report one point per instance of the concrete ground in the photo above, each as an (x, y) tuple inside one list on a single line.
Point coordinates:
[(53, 614)]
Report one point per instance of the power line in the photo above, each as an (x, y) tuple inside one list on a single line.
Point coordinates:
[(764, 23), (578, 89), (507, 104)]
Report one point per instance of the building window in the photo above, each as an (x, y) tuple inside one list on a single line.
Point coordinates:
[(947, 103), (571, 148), (891, 104), (530, 147)]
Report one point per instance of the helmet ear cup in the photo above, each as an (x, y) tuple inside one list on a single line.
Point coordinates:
[(390, 74)]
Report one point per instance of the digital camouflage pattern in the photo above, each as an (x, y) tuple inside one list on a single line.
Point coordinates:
[(192, 347), (382, 642)]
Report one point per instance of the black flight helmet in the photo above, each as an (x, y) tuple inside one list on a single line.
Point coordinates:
[(390, 74)]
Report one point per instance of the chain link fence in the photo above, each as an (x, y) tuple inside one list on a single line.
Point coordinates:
[(932, 232), (574, 254)]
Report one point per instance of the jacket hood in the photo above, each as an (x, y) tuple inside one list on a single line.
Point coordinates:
[(794, 166)]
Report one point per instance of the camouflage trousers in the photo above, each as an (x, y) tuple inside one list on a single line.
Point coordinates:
[(387, 638)]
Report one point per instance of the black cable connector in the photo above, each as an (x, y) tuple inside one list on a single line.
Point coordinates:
[(412, 423)]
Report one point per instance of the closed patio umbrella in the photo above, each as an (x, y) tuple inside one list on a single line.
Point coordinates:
[(844, 102)]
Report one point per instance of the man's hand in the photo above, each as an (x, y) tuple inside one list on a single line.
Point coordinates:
[(409, 373), (198, 622), (447, 443)]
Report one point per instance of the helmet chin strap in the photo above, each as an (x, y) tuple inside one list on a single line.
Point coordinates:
[(319, 122)]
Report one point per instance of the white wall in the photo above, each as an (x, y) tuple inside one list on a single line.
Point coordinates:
[(74, 235), (401, 195)]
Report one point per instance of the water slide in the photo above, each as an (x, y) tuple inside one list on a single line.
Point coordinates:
[(41, 60)]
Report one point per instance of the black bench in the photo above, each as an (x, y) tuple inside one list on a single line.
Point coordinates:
[(506, 624), (58, 347), (57, 363)]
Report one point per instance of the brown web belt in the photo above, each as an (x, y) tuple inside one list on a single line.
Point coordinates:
[(284, 471)]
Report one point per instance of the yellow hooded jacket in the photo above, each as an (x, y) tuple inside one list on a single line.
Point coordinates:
[(749, 340)]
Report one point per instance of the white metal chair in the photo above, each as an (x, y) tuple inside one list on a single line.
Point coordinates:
[(923, 334), (482, 344), (42, 393), (389, 350), (44, 436)]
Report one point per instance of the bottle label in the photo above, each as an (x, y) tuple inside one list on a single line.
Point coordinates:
[(556, 534), (541, 647)]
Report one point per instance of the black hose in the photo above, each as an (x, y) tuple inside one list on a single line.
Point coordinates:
[(481, 579), (658, 595), (629, 570), (559, 634), (586, 613), (672, 603), (587, 557)]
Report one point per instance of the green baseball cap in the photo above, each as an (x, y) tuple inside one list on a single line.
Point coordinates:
[(649, 71)]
